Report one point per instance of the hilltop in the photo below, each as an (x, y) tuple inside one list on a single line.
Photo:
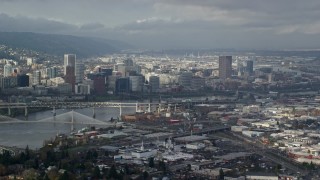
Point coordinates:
[(60, 44)]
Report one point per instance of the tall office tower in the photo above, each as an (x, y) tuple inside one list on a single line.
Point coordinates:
[(23, 80), (122, 85), (250, 67), (79, 73), (69, 60), (99, 85), (136, 83), (225, 67), (154, 82), (185, 79), (52, 72), (7, 70), (70, 76), (36, 78)]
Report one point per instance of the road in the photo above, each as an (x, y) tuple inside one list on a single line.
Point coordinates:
[(260, 149)]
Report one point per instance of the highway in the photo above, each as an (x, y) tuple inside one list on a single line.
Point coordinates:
[(260, 149)]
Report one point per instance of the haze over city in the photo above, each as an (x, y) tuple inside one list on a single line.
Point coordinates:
[(159, 89), (172, 24)]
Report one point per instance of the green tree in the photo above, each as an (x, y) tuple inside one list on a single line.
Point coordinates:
[(221, 174), (113, 172), (162, 166), (151, 162), (29, 174), (145, 175), (126, 169), (27, 152), (64, 176), (46, 177), (96, 172)]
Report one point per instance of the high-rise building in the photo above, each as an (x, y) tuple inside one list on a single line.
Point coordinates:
[(36, 77), (185, 79), (99, 85), (7, 70), (136, 83), (70, 76), (52, 72), (122, 85), (249, 67), (69, 60), (79, 72), (8, 82), (23, 80), (225, 67), (154, 82)]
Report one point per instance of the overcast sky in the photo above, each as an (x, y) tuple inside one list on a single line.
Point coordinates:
[(165, 24)]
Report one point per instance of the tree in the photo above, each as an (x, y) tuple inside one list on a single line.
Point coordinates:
[(189, 167), (221, 174), (162, 166), (3, 170), (113, 172), (126, 169), (64, 176), (46, 177), (96, 172), (29, 174), (145, 175), (27, 152), (151, 162), (312, 166)]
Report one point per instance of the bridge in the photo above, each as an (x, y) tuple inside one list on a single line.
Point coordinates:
[(78, 105), (72, 118)]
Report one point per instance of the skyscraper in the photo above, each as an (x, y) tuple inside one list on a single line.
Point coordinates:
[(250, 67), (70, 76), (36, 77), (69, 60), (79, 73), (7, 70), (52, 72), (225, 67)]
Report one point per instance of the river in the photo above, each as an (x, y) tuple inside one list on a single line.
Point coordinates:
[(33, 134)]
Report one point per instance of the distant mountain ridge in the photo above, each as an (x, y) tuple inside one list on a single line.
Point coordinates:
[(60, 44)]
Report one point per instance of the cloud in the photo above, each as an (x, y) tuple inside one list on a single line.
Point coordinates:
[(172, 23), (20, 23), (92, 26)]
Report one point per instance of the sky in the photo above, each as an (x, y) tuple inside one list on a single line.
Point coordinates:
[(173, 24)]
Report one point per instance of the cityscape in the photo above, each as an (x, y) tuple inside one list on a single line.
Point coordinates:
[(159, 90)]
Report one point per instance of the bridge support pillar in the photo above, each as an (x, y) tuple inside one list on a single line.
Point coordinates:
[(72, 121), (9, 111), (26, 111), (137, 107), (93, 113), (54, 111), (159, 108)]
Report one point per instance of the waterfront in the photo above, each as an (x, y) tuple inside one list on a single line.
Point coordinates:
[(34, 134)]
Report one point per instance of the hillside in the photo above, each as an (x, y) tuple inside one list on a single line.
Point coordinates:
[(60, 44)]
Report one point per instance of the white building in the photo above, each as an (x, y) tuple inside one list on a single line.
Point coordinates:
[(36, 78), (69, 60), (79, 72), (195, 146), (82, 89), (7, 70)]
